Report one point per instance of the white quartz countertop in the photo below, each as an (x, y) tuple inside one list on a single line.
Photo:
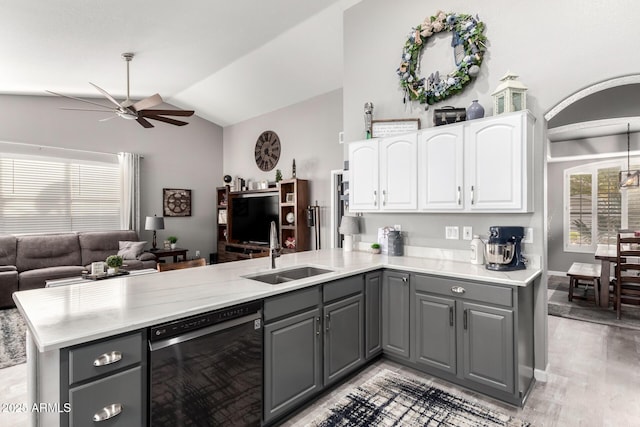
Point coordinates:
[(68, 315)]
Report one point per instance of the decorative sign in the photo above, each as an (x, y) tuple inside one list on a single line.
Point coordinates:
[(382, 128), (176, 202)]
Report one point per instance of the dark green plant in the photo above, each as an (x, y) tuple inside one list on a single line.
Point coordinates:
[(172, 239), (375, 246), (278, 175), (114, 261)]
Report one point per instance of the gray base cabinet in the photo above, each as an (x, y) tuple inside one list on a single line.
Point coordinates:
[(395, 314), (105, 382), (373, 314), (292, 361), (475, 334), (312, 339)]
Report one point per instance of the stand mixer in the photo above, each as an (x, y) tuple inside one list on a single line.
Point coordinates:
[(503, 250)]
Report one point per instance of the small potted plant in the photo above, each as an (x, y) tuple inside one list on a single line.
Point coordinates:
[(172, 240), (375, 248), (114, 262)]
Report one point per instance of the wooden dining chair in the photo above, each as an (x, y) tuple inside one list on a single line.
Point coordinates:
[(199, 262), (627, 283)]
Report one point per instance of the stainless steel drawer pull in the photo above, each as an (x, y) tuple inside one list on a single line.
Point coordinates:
[(108, 358), (384, 197), (107, 412), (458, 290)]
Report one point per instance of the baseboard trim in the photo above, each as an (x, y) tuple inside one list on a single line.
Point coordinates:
[(541, 375), (556, 273)]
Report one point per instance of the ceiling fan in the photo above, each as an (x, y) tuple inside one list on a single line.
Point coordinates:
[(139, 111)]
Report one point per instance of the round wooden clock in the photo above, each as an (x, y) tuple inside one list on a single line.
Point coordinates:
[(267, 151)]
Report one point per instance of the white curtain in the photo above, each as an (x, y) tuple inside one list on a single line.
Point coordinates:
[(130, 178)]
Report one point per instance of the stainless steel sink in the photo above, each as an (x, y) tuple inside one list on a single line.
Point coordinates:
[(283, 276)]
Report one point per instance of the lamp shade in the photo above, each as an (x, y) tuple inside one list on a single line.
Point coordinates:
[(349, 225), (154, 223)]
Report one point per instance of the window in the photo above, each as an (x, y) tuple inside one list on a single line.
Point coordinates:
[(596, 208), (40, 194)]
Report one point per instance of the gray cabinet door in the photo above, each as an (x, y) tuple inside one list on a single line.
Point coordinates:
[(343, 337), (372, 309), (488, 346), (292, 362), (395, 313), (435, 332)]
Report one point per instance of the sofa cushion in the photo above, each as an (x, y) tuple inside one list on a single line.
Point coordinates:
[(98, 245), (35, 279), (131, 250), (7, 250), (47, 250)]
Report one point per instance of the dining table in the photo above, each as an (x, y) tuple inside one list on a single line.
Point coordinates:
[(607, 255)]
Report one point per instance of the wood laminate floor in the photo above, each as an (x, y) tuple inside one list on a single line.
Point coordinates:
[(593, 373)]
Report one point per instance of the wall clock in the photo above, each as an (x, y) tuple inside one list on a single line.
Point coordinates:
[(267, 151)]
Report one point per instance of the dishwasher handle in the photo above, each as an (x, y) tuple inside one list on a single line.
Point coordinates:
[(252, 318)]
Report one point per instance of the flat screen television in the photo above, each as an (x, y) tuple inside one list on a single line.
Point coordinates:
[(251, 217)]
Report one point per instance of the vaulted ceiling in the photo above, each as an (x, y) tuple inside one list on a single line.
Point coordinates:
[(228, 60)]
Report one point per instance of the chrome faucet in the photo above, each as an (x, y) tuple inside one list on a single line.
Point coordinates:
[(274, 247)]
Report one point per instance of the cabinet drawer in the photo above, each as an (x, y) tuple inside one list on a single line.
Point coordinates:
[(109, 356), (468, 290), (342, 288), (293, 302), (124, 389)]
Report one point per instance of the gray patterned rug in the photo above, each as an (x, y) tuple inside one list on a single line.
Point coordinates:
[(12, 338), (390, 399), (585, 310)]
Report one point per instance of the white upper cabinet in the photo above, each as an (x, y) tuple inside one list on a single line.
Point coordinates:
[(363, 176), (383, 174), (398, 173), (483, 165), (497, 156), (441, 171)]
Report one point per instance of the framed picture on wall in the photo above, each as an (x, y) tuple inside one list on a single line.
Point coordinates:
[(176, 202)]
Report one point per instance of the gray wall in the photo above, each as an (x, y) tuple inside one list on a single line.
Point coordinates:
[(174, 157), (308, 133)]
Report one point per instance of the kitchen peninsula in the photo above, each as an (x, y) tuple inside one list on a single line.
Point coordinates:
[(73, 317)]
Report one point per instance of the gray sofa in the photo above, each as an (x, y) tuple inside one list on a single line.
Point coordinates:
[(27, 262)]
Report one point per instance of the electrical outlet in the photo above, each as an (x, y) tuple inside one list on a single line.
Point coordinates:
[(452, 232), (528, 235), (197, 254), (467, 232)]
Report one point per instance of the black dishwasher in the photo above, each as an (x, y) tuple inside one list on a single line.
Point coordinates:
[(206, 370)]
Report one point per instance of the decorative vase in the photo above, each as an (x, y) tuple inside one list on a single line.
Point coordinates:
[(475, 110), (375, 250), (173, 245)]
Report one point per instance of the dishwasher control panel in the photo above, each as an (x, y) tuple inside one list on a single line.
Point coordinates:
[(199, 321)]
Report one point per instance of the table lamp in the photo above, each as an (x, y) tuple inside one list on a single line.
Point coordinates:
[(154, 223), (348, 227)]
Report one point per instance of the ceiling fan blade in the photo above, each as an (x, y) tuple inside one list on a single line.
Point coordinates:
[(167, 120), (144, 123), (147, 113), (107, 118), (106, 95), (80, 99), (88, 109), (149, 102)]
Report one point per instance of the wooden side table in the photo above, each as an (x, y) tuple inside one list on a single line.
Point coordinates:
[(175, 253)]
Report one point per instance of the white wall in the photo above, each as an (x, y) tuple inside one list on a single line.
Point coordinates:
[(174, 157), (308, 133)]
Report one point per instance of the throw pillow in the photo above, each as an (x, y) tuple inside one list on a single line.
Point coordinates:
[(131, 250)]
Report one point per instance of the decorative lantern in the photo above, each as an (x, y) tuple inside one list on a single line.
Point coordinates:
[(510, 95)]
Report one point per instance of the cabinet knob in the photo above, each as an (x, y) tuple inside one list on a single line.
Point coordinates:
[(107, 412), (108, 358), (405, 280), (458, 290)]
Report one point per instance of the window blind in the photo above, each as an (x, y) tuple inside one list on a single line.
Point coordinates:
[(58, 195)]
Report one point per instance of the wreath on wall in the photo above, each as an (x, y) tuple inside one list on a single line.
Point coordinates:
[(468, 42)]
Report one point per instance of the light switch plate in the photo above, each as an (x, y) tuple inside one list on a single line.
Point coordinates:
[(528, 235), (467, 232), (452, 232)]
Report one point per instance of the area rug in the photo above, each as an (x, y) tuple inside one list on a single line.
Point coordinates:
[(585, 310), (390, 399), (12, 338)]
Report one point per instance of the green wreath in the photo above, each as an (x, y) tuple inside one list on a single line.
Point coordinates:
[(468, 44)]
